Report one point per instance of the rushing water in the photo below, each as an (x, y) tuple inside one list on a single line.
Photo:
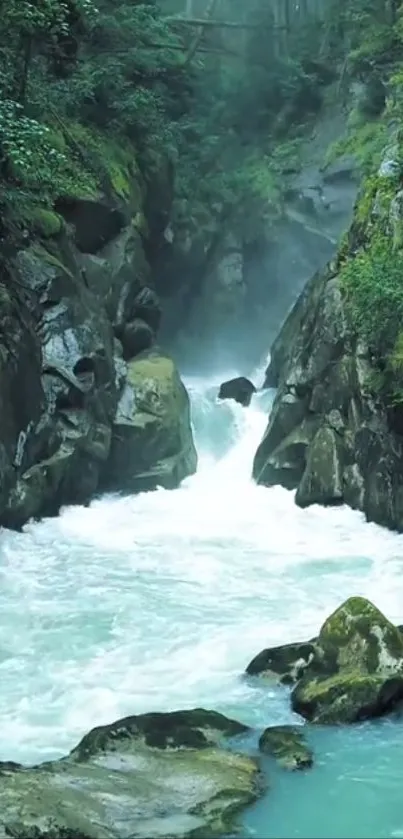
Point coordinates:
[(159, 601)]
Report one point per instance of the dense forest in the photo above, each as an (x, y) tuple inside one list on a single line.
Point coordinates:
[(89, 91)]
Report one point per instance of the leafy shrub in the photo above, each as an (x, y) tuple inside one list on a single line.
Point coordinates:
[(373, 285)]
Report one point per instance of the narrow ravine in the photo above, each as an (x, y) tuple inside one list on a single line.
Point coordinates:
[(159, 601)]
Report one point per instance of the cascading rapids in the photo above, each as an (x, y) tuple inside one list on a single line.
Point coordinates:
[(158, 601)]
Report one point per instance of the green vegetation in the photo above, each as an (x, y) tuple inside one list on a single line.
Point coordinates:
[(372, 282), (371, 256), (98, 98)]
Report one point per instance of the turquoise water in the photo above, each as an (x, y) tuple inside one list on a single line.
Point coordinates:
[(159, 602), (354, 789)]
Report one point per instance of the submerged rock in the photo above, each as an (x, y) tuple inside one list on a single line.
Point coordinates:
[(152, 442), (286, 743), (239, 389), (352, 671), (151, 775)]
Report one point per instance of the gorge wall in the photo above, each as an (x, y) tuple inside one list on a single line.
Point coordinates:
[(88, 401), (335, 431)]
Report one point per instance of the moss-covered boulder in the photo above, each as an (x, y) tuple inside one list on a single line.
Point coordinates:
[(152, 442), (347, 697), (285, 664), (357, 670), (152, 775), (286, 743), (358, 636), (353, 670)]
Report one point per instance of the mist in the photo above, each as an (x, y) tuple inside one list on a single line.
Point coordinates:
[(264, 208)]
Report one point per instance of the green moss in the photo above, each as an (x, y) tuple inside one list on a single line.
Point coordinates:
[(45, 222), (287, 745), (364, 141), (111, 159), (357, 636)]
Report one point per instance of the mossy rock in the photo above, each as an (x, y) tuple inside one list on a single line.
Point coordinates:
[(151, 775), (287, 745), (46, 223), (347, 697), (194, 729), (285, 664), (152, 443), (113, 159), (357, 636)]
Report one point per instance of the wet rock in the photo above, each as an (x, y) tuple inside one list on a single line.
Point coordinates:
[(285, 664), (240, 389), (322, 480), (136, 336), (147, 307), (74, 341), (152, 442), (346, 697), (22, 398), (286, 743), (358, 636), (96, 221), (117, 274), (151, 775), (357, 670)]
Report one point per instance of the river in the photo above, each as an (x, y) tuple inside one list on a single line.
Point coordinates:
[(159, 601)]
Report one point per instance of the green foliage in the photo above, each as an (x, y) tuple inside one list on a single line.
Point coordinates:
[(365, 141), (372, 282)]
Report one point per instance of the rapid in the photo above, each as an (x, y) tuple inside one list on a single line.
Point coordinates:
[(159, 601)]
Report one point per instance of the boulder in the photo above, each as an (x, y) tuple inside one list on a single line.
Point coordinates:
[(352, 671), (346, 697), (358, 636), (152, 442), (357, 670), (285, 664), (287, 745), (240, 389), (151, 775)]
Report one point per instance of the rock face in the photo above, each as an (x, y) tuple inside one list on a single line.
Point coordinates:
[(327, 436), (152, 443), (286, 744), (354, 670), (150, 775), (239, 389), (72, 325)]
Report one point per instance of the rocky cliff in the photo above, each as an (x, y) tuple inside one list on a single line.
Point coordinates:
[(88, 401), (335, 431)]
